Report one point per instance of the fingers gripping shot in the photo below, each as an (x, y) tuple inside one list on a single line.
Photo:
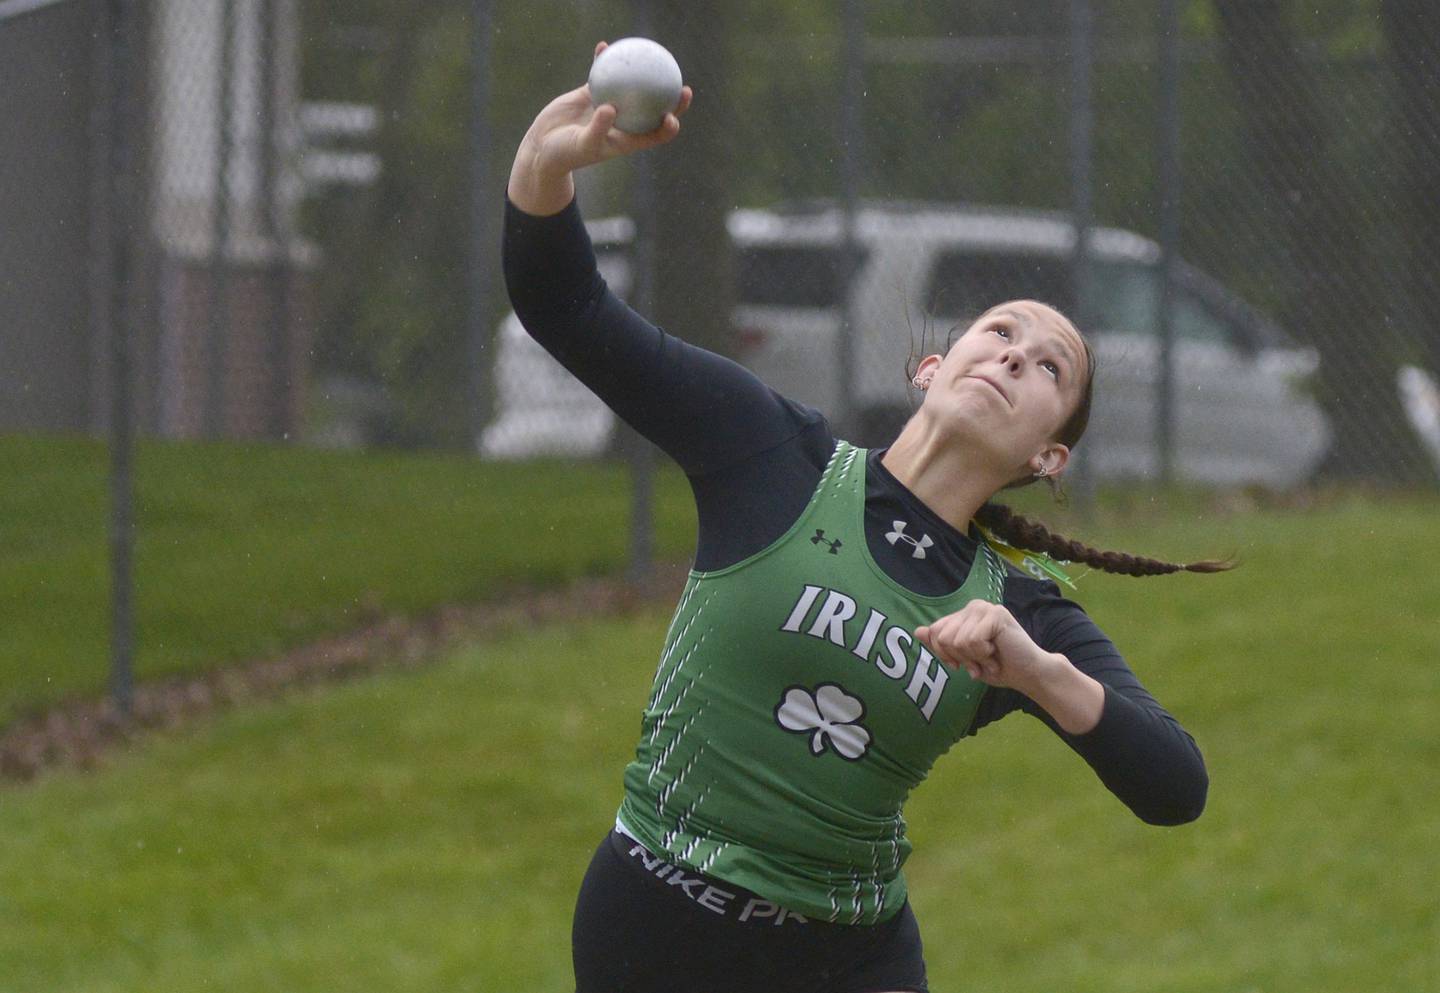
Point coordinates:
[(572, 133), (849, 617)]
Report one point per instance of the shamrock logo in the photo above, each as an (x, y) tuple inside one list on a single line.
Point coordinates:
[(830, 716)]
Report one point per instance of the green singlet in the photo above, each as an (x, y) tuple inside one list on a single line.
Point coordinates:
[(793, 711)]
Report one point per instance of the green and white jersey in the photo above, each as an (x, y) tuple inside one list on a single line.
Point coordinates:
[(793, 711)]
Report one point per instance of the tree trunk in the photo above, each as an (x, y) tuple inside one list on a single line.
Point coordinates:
[(1412, 30), (694, 292), (1312, 223)]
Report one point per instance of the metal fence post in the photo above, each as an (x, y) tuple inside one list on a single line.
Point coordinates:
[(1169, 180), (852, 88), (121, 193), (219, 324), (276, 226), (482, 210), (642, 453), (1082, 193)]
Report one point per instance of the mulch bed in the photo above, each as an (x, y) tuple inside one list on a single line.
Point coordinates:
[(80, 732)]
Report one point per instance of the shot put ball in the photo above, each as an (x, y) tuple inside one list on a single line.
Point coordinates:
[(641, 79)]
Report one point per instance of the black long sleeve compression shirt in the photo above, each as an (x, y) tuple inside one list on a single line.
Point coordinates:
[(753, 458)]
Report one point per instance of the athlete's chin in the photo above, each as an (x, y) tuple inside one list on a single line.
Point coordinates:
[(978, 419)]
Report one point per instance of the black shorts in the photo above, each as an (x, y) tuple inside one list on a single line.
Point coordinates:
[(643, 925)]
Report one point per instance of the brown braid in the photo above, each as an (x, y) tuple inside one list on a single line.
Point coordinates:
[(1033, 536)]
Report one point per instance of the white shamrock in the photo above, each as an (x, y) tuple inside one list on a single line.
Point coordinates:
[(831, 714)]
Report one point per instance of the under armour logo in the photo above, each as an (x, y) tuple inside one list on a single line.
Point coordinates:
[(820, 539), (922, 543)]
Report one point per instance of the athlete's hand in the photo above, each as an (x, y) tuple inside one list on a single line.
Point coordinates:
[(571, 134), (987, 641)]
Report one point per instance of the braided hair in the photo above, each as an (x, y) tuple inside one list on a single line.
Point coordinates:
[(1031, 535)]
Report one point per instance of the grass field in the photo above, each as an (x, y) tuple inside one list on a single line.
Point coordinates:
[(246, 550), (426, 831)]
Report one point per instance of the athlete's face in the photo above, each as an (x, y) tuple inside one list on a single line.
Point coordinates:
[(1011, 381)]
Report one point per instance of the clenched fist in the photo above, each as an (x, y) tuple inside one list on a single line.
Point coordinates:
[(986, 641)]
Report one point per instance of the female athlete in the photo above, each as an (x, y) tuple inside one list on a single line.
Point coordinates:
[(844, 624)]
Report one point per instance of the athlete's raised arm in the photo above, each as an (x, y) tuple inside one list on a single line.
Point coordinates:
[(703, 410)]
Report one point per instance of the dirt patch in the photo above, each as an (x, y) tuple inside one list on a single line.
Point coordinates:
[(80, 732)]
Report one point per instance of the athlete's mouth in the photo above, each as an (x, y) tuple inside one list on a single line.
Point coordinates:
[(995, 386)]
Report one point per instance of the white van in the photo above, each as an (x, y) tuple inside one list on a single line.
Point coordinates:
[(1241, 411)]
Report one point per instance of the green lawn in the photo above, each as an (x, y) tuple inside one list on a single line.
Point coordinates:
[(425, 831), (244, 550)]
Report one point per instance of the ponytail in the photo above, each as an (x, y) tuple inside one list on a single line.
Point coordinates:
[(1022, 532)]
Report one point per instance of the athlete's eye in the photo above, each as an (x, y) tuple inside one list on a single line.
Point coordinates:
[(1054, 369), (1001, 330)]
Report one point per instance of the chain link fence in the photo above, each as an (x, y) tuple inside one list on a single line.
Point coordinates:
[(304, 225), (1245, 214), (218, 272), (278, 219)]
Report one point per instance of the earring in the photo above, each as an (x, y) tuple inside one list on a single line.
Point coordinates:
[(1042, 472), (923, 384)]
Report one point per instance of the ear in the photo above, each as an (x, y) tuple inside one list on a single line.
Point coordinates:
[(1053, 459), (928, 365)]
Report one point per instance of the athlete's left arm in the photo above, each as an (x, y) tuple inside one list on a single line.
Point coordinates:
[(1140, 752)]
